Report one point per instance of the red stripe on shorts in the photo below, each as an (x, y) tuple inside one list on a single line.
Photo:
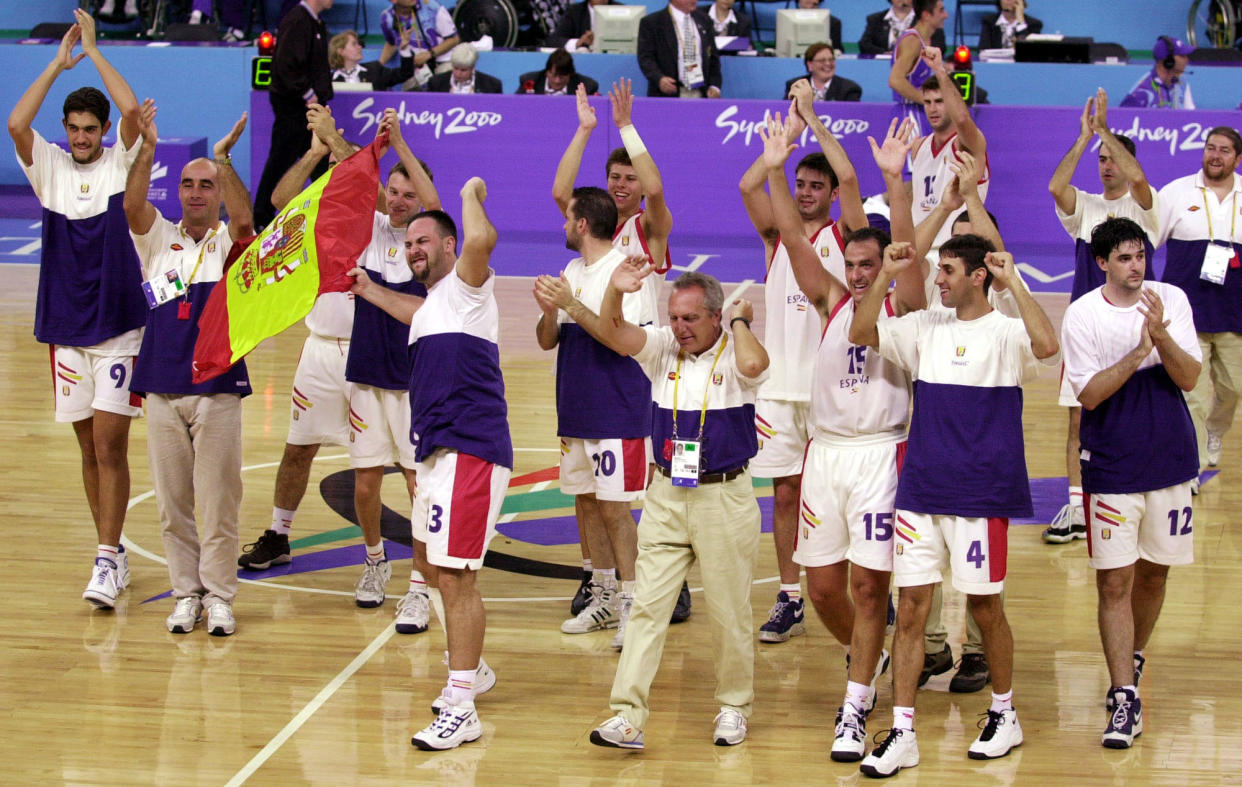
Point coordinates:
[(901, 456), (1087, 504), (998, 547), (472, 498), (634, 455)]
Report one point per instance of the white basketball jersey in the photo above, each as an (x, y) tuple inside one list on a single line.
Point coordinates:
[(857, 391), (332, 316), (630, 241), (930, 175), (792, 325)]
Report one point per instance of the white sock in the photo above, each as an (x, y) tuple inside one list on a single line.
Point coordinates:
[(460, 686), (627, 586), (196, 16), (417, 583), (375, 554), (1075, 496), (794, 591), (903, 718), (856, 695), (107, 552), (282, 520), (1002, 702), (607, 578), (108, 8), (587, 565)]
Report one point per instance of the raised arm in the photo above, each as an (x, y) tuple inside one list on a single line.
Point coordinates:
[(756, 201), (139, 212), (320, 122), (398, 304), (232, 191), (820, 287), (968, 134), (478, 235), (897, 257), (1059, 186), (657, 220), (1127, 163), (910, 291), (966, 171), (1044, 343), (925, 231), (853, 216), (571, 160), (122, 95), (23, 114), (293, 181), (619, 335), (908, 51), (428, 197), (749, 355)]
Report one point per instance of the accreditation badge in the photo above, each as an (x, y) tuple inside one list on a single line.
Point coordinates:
[(685, 462)]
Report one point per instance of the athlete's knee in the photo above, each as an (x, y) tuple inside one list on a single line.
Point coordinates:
[(986, 610), (870, 592)]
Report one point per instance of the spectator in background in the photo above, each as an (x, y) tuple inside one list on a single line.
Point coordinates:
[(727, 20), (677, 52), (463, 77), (558, 78), (821, 71), (909, 70), (1163, 86), (429, 28), (885, 27), (834, 24), (345, 58), (107, 10), (1009, 24), (300, 76), (231, 15), (574, 30)]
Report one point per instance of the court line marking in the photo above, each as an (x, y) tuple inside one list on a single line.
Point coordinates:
[(738, 290), (311, 708)]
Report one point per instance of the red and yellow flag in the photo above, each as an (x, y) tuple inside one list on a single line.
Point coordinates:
[(305, 251)]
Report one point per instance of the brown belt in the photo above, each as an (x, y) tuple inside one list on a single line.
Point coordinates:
[(708, 478)]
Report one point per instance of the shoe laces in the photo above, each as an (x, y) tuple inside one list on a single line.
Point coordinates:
[(371, 580), (220, 611), (891, 736), (416, 603), (185, 606), (849, 723), (1063, 518), (1121, 710), (729, 719), (990, 722)]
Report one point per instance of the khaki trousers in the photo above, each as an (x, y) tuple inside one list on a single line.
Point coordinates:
[(718, 525), (194, 445), (1215, 395)]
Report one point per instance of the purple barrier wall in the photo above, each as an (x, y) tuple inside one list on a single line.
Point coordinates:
[(702, 149)]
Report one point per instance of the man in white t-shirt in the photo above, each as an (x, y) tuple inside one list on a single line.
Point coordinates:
[(89, 306), (1126, 193)]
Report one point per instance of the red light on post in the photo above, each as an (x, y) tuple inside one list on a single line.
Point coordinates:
[(961, 57), (266, 43)]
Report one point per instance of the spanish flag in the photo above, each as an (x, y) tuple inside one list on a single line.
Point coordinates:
[(274, 278)]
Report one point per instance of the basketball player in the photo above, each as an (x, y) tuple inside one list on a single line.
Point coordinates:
[(603, 402), (969, 365), (1130, 354), (1126, 194), (459, 420), (89, 307), (791, 333), (858, 421), (909, 72)]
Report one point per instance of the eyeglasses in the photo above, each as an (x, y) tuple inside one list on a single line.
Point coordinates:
[(824, 61)]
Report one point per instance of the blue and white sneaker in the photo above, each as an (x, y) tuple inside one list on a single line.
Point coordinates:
[(1139, 661), (455, 725), (618, 733), (102, 589), (1126, 722), (784, 621)]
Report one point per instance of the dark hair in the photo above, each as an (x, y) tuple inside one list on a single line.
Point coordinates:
[(598, 208), (971, 250), (923, 6), (88, 99), (399, 169), (932, 85), (815, 49), (965, 216), (618, 156), (444, 223), (1232, 134), (1128, 143), (818, 162), (863, 234), (1111, 233), (713, 293), (560, 62)]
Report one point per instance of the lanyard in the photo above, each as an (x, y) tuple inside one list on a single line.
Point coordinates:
[(1160, 90), (677, 381), (1233, 216), (202, 247)]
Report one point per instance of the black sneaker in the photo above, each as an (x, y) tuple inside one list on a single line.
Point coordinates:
[(681, 612), (1139, 661), (582, 597), (936, 663), (972, 674), (272, 549)]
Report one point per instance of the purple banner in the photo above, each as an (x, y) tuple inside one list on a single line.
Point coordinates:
[(702, 149)]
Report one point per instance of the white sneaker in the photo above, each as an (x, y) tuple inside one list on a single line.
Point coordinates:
[(881, 667), (730, 728), (1194, 485), (122, 569), (220, 622), (484, 680), (899, 750), (627, 603), (850, 743), (413, 613), (188, 611), (369, 592), (102, 589), (619, 733), (601, 613), (455, 725), (1214, 444), (1001, 733)]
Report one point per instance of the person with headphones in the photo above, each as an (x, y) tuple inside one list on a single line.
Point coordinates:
[(1164, 86)]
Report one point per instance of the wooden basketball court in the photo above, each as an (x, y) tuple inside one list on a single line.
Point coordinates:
[(312, 689)]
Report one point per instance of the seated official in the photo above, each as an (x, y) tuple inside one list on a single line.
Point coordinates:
[(885, 27), (1164, 86), (821, 71), (1009, 24), (558, 78), (464, 77), (345, 58), (677, 52), (728, 20), (575, 30)]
